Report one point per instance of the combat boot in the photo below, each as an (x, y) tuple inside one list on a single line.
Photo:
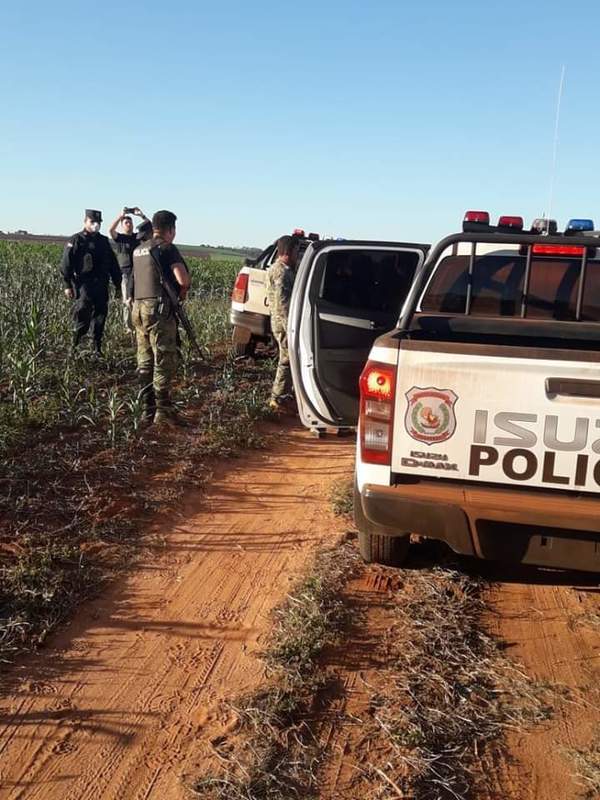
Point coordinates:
[(282, 405), (166, 413), (147, 398)]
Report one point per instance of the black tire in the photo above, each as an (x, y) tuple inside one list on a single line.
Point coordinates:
[(378, 548)]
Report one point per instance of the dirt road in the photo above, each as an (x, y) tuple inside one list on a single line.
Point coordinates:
[(112, 707), (121, 703), (549, 622)]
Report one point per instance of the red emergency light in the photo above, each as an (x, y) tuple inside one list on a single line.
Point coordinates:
[(477, 216), (511, 222), (298, 232)]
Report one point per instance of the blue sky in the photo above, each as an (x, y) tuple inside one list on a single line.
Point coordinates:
[(384, 120)]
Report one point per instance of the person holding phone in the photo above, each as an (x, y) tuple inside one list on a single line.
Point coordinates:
[(123, 243)]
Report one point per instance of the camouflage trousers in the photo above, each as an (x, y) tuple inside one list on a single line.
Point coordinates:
[(282, 385), (156, 337)]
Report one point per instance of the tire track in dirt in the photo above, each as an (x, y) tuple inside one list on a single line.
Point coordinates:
[(116, 704)]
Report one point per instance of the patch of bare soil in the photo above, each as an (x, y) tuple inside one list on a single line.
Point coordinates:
[(118, 704), (550, 624)]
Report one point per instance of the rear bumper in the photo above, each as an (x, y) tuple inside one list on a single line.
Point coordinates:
[(520, 526), (257, 324)]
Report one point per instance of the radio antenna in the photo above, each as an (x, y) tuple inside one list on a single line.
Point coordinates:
[(555, 147)]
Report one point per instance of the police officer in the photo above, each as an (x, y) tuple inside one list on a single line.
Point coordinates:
[(123, 244), (280, 280), (87, 265), (155, 262)]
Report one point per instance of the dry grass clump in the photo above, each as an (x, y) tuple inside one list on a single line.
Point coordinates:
[(341, 497), (279, 755), (587, 767), (454, 690)]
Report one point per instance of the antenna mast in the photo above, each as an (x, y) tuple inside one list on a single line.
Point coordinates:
[(555, 147)]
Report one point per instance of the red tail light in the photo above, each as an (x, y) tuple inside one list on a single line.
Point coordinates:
[(240, 288), (377, 391)]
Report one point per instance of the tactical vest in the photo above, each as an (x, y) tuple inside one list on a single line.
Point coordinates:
[(146, 280)]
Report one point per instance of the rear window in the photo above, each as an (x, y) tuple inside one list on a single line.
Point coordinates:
[(370, 280), (497, 287)]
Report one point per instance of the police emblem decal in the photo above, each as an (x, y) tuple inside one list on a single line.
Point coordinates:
[(430, 416)]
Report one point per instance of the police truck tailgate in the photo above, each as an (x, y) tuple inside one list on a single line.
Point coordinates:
[(492, 414)]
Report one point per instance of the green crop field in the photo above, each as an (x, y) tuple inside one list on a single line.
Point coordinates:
[(41, 382)]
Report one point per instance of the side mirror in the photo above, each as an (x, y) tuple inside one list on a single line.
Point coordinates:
[(248, 262)]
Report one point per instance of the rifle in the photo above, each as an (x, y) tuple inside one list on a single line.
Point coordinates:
[(177, 306)]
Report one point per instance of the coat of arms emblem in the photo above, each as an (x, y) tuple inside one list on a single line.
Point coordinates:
[(430, 414)]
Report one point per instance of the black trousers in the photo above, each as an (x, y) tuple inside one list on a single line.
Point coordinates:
[(90, 307)]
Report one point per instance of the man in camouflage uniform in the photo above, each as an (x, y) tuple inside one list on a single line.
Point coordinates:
[(155, 262), (280, 280)]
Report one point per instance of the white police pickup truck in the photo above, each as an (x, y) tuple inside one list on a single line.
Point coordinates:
[(479, 417), (250, 315)]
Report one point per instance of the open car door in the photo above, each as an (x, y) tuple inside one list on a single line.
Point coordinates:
[(346, 294)]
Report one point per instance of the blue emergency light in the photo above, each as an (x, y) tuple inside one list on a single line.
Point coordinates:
[(580, 225)]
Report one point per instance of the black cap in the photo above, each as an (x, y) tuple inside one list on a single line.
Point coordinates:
[(95, 216), (144, 230)]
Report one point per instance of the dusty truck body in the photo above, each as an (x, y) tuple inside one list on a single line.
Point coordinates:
[(250, 315), (479, 419)]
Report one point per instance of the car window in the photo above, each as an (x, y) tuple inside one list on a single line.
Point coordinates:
[(370, 280), (497, 287)]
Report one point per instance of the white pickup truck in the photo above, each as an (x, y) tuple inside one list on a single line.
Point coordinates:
[(479, 417), (250, 315)]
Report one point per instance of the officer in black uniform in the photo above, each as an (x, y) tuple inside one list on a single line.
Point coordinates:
[(87, 265)]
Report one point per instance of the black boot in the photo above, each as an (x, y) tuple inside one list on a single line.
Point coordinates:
[(166, 412), (147, 398)]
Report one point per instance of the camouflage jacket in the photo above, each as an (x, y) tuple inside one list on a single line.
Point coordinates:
[(280, 281)]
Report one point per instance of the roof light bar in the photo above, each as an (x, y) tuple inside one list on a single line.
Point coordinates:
[(515, 223), (298, 232)]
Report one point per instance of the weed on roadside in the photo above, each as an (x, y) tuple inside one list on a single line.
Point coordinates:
[(341, 497)]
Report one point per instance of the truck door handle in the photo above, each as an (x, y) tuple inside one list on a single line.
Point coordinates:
[(573, 387)]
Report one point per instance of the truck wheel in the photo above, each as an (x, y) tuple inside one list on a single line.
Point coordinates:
[(242, 345), (377, 548), (389, 550)]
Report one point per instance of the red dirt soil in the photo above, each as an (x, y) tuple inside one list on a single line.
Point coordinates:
[(121, 703), (114, 705)]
